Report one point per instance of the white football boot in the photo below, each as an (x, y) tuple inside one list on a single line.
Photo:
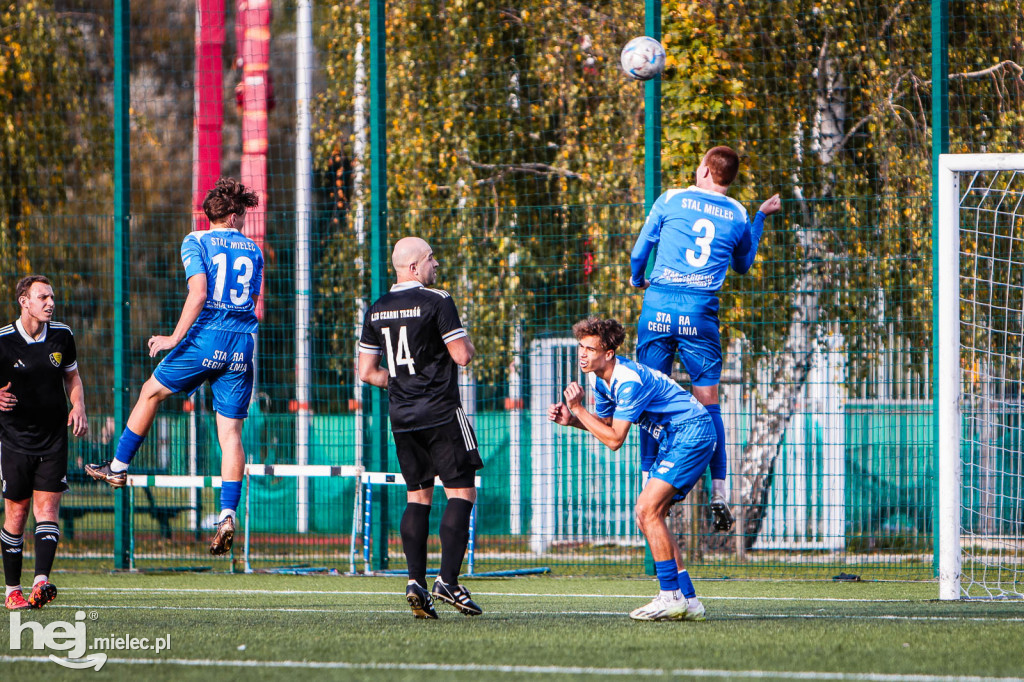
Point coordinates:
[(662, 608)]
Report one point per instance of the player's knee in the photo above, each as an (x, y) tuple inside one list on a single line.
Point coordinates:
[(154, 391), (706, 395), (645, 513), (16, 514)]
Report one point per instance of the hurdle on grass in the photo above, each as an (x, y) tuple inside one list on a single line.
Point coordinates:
[(363, 506)]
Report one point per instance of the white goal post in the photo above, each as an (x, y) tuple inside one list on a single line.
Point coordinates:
[(980, 246)]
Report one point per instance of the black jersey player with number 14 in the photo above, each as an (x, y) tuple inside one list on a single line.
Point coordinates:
[(417, 333)]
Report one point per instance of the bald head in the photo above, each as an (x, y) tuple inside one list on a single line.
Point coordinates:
[(414, 261)]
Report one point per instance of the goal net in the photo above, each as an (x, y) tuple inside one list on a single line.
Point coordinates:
[(980, 276)]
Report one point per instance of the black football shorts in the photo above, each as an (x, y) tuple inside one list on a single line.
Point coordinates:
[(22, 474), (448, 451)]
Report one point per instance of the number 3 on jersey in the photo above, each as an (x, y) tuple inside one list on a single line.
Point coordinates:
[(707, 230), (243, 266), (404, 356)]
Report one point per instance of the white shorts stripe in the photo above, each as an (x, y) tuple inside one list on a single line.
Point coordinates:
[(468, 437)]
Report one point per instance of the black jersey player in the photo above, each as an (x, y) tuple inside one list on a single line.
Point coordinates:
[(417, 332), (38, 376)]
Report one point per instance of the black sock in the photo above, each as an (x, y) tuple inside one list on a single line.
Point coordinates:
[(415, 528), (454, 538), (10, 545), (47, 537)]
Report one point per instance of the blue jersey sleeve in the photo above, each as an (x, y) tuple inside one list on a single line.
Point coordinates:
[(746, 248), (638, 260), (645, 243), (192, 257), (604, 406)]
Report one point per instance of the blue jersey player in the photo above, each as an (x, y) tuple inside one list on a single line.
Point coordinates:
[(626, 393), (213, 341), (699, 232)]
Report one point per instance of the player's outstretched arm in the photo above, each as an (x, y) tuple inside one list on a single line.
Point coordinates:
[(77, 420), (194, 303), (638, 262), (746, 249), (771, 205)]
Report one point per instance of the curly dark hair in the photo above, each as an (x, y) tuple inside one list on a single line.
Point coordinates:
[(228, 196), (610, 332)]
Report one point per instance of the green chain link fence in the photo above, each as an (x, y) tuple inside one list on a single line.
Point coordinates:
[(517, 148)]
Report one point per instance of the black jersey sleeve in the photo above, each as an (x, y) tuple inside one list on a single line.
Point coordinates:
[(70, 359), (369, 342), (448, 322)]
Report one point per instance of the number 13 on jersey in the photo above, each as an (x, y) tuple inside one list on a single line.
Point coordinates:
[(243, 270), (404, 356)]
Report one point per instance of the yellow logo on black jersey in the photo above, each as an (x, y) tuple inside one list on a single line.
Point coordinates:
[(55, 358)]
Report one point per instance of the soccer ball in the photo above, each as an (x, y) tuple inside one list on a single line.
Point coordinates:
[(643, 58)]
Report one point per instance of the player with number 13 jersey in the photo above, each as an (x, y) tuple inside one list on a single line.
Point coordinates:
[(213, 341), (222, 336)]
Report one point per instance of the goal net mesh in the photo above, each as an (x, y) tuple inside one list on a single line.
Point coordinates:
[(992, 357)]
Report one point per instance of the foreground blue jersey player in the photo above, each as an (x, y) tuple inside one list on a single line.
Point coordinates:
[(213, 341), (627, 393), (699, 232)]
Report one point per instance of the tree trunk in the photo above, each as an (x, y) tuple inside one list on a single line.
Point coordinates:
[(792, 366)]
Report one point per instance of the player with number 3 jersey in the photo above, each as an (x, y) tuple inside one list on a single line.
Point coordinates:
[(213, 341), (699, 232)]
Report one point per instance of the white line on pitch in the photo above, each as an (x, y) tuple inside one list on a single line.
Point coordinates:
[(560, 612), (540, 670), (277, 609), (208, 590)]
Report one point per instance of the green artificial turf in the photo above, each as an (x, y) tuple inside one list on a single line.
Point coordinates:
[(360, 628)]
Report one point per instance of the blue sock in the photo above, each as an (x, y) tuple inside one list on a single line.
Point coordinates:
[(230, 493), (667, 576), (128, 445), (686, 585), (719, 463)]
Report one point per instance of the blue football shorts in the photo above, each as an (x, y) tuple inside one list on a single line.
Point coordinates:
[(686, 323), (684, 453), (221, 357)]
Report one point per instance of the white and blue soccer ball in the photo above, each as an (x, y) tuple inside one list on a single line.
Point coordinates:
[(642, 58)]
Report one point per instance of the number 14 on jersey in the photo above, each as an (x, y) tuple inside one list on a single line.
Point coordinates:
[(404, 356)]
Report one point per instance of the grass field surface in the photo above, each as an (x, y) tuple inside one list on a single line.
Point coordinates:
[(271, 627)]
